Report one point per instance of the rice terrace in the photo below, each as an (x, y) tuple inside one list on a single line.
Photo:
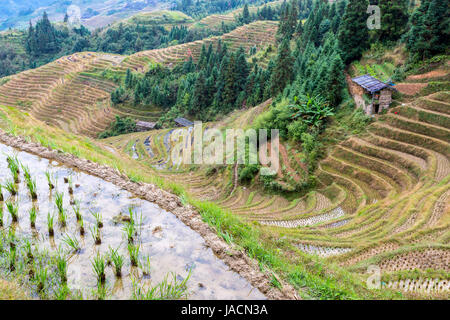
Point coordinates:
[(225, 150)]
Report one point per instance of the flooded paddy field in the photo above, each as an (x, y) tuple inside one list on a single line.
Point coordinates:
[(155, 246)]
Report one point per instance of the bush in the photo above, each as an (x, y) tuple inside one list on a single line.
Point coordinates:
[(248, 172), (119, 126)]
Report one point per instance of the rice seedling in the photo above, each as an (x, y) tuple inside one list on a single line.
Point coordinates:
[(81, 222), (28, 250), (33, 216), (129, 231), (40, 277), (12, 259), (31, 184), (70, 185), (101, 293), (62, 292), (1, 216), (12, 237), (11, 187), (14, 165), (50, 223), (98, 264), (98, 218), (62, 218), (72, 242), (95, 232), (134, 254), (77, 209), (61, 265), (13, 209), (62, 215), (145, 266), (59, 201), (165, 290), (26, 172), (118, 261), (50, 180), (1, 193)]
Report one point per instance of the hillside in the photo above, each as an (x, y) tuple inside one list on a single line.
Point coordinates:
[(382, 196), (52, 93), (359, 192)]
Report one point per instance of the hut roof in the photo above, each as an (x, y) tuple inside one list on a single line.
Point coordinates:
[(184, 122), (148, 125), (370, 83)]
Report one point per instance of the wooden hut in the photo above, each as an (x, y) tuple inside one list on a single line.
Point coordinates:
[(142, 126), (379, 94), (182, 122)]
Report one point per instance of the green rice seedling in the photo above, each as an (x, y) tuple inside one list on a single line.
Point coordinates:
[(12, 237), (130, 211), (81, 222), (134, 254), (165, 290), (50, 223), (12, 259), (145, 266), (77, 209), (11, 187), (50, 180), (129, 231), (62, 292), (13, 209), (33, 216), (70, 185), (61, 265), (72, 242), (26, 172), (14, 165), (59, 201), (98, 264), (62, 218), (95, 232), (101, 293), (1, 194), (28, 250), (1, 216), (31, 184), (98, 218), (41, 277), (118, 261)]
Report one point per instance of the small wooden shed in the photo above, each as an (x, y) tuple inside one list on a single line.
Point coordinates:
[(379, 93), (182, 122)]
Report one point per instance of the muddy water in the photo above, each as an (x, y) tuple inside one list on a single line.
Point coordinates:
[(171, 245)]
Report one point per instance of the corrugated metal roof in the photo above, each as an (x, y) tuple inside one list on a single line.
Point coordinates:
[(145, 124), (370, 83), (184, 122)]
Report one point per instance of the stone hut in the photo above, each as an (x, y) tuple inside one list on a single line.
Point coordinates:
[(378, 94)]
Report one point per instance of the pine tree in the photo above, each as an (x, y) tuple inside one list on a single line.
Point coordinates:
[(430, 31), (246, 15), (394, 19), (353, 32), (282, 72)]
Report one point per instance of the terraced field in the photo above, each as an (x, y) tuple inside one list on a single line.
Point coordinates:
[(259, 34), (382, 197), (72, 93)]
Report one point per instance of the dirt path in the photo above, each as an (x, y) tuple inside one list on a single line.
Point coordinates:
[(237, 260)]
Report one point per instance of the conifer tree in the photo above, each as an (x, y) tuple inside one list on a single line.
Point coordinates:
[(282, 72), (353, 32)]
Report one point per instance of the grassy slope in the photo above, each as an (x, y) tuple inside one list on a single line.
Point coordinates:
[(312, 276)]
